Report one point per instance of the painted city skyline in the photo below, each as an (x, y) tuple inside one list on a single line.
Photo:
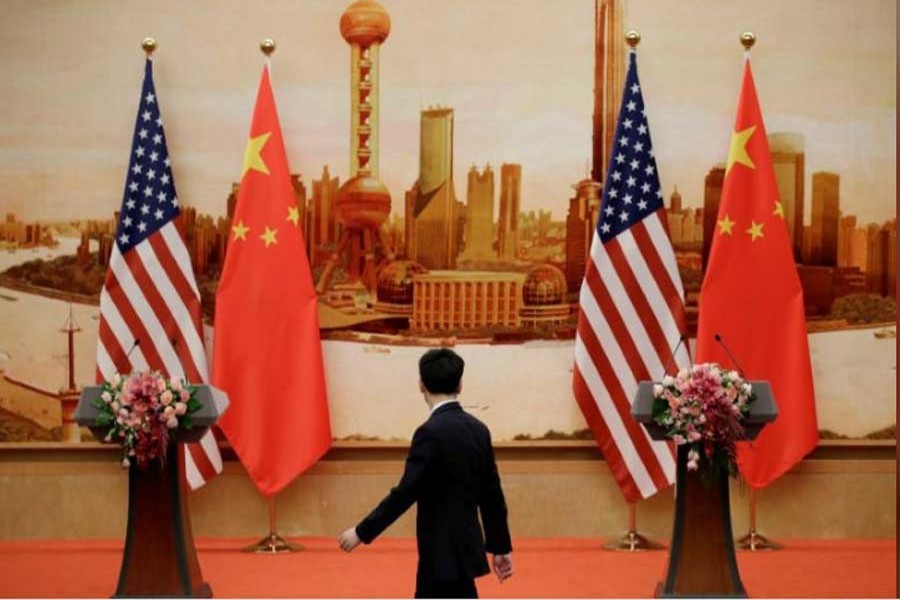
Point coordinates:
[(512, 103)]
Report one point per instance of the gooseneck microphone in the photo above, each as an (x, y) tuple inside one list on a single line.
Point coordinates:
[(671, 362), (137, 342), (721, 342)]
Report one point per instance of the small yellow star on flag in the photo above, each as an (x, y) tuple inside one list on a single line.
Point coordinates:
[(269, 237), (253, 155), (737, 153), (779, 209), (240, 231), (756, 230), (293, 215), (726, 225)]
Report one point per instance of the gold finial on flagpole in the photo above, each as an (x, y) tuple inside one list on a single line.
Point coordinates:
[(267, 46), (748, 38), (633, 38), (149, 45)]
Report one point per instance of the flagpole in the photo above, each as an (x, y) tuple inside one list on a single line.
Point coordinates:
[(632, 541), (272, 543), (755, 541)]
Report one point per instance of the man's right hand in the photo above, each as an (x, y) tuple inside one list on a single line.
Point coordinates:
[(503, 566)]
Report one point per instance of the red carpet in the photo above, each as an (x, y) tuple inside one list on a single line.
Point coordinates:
[(544, 569)]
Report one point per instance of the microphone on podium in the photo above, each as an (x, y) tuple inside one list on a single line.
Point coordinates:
[(671, 362), (135, 344), (721, 342)]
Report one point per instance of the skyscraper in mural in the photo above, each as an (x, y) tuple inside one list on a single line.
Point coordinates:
[(480, 214), (510, 202), (581, 220), (609, 73), (712, 194), (825, 216), (435, 236), (789, 161)]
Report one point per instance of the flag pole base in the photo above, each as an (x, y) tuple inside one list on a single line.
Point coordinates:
[(272, 544), (755, 542), (633, 542)]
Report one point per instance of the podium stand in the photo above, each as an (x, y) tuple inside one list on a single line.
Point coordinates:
[(702, 560), (160, 559)]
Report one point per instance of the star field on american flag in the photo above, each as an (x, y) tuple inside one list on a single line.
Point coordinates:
[(631, 191), (150, 200)]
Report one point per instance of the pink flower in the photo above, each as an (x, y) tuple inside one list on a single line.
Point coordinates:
[(172, 423), (176, 384), (115, 406), (126, 463), (692, 465), (180, 408), (185, 395), (169, 412), (693, 436), (166, 398), (161, 384), (678, 439)]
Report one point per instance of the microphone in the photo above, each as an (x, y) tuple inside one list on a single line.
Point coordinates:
[(721, 342), (137, 342), (671, 362)]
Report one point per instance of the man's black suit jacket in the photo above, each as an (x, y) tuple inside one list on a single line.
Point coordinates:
[(451, 473)]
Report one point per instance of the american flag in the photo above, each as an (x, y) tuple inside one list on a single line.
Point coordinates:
[(631, 306), (150, 304)]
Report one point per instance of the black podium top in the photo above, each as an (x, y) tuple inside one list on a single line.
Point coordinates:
[(762, 411), (213, 403)]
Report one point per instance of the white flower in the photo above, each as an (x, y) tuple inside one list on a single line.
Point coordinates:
[(657, 390), (106, 397), (176, 384), (126, 463), (116, 380), (668, 380)]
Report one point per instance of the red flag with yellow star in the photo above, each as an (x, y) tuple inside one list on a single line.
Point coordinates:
[(268, 355), (751, 297)]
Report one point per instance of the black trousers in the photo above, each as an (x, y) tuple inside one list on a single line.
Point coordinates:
[(460, 588)]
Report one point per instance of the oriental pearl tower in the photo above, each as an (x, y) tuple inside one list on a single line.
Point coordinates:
[(363, 202)]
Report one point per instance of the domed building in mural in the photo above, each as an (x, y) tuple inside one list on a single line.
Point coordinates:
[(544, 297), (394, 286)]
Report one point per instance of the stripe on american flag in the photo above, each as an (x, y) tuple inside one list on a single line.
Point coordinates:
[(150, 295), (631, 306)]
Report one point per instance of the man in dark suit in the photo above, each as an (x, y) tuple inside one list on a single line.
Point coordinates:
[(451, 474)]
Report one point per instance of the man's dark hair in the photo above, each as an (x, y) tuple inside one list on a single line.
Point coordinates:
[(441, 370)]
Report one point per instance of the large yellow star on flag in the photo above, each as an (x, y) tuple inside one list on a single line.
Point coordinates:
[(240, 231), (253, 154), (737, 153), (726, 225), (756, 230), (293, 215), (269, 237)]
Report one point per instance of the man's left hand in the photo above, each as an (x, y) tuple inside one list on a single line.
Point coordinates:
[(349, 540)]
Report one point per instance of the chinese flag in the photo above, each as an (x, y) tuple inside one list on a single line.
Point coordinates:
[(268, 356), (751, 297)]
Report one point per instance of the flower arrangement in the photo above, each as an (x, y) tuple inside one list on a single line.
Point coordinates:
[(141, 410), (704, 407)]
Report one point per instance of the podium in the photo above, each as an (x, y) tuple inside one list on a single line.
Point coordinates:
[(702, 560), (160, 559)]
